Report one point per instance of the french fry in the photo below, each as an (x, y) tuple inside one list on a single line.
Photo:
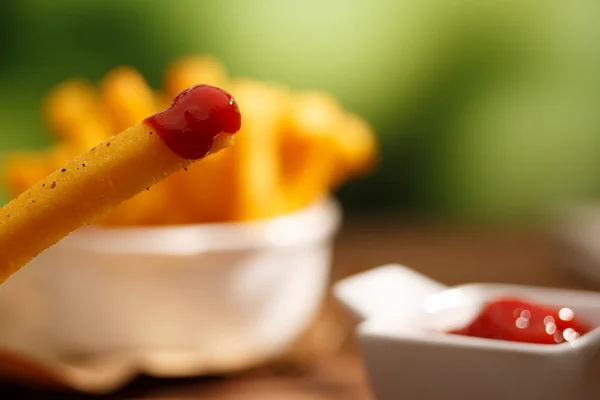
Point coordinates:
[(309, 152), (255, 162), (163, 101), (127, 164), (190, 71), (73, 112), (197, 205), (152, 207), (245, 181), (128, 97), (358, 149), (23, 169)]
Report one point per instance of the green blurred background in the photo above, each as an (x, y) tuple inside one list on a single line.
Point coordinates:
[(483, 109)]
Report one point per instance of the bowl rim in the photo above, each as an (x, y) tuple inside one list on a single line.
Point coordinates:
[(317, 222)]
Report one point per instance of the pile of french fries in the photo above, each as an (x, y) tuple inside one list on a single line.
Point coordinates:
[(294, 147)]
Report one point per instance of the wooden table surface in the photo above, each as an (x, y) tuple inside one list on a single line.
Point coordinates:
[(449, 253)]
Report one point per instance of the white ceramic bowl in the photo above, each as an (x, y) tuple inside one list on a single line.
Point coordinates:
[(192, 299), (408, 355)]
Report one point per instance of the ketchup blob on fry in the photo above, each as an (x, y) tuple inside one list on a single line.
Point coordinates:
[(197, 116)]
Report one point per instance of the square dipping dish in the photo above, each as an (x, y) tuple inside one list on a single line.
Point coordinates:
[(404, 319)]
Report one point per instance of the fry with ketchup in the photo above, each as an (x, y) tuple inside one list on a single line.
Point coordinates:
[(200, 121)]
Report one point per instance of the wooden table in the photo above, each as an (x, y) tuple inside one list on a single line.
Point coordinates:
[(449, 253)]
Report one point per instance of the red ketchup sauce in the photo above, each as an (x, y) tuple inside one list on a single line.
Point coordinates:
[(194, 120), (520, 321)]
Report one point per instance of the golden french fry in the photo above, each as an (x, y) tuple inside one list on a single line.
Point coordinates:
[(309, 153), (130, 99), (161, 100), (245, 181), (194, 70), (358, 149), (129, 163), (22, 170), (256, 159), (25, 168), (127, 96), (197, 205), (73, 112), (152, 207)]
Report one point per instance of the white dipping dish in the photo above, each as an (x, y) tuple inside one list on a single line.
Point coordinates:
[(408, 355), (172, 301)]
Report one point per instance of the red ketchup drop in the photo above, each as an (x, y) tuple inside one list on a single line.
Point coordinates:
[(197, 116), (519, 321)]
